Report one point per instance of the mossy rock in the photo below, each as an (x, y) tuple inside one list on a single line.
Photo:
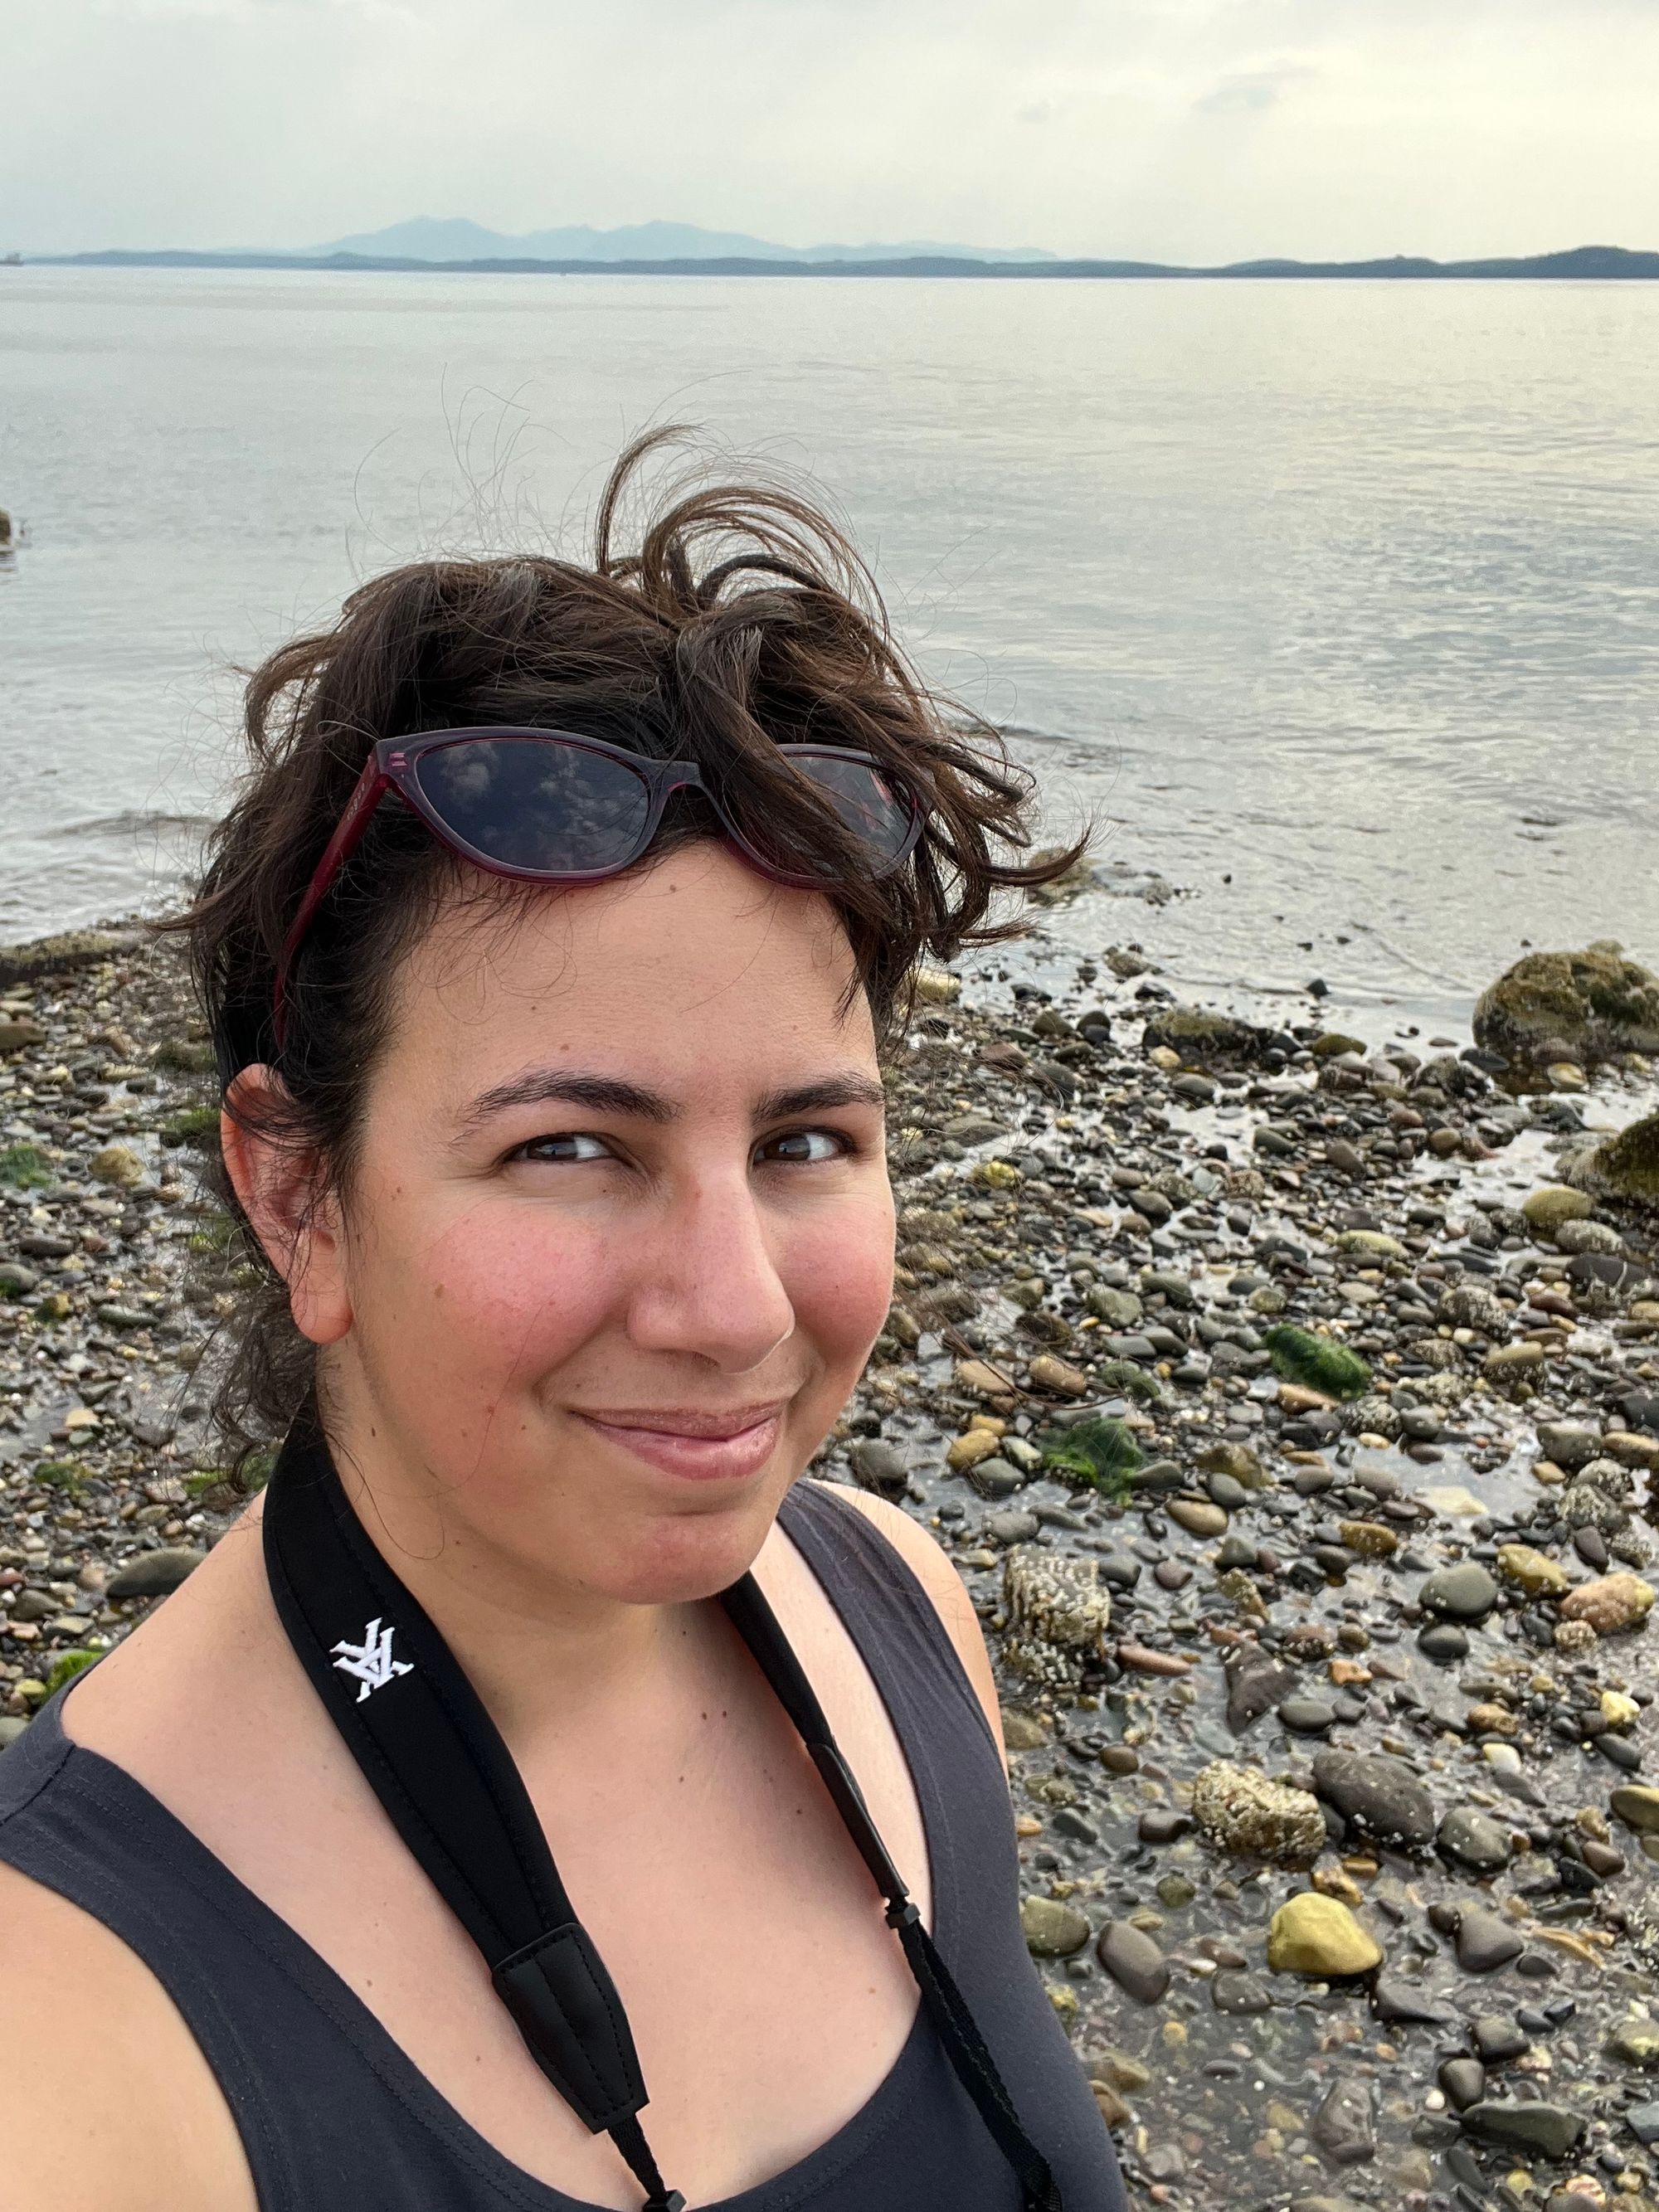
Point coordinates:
[(1197, 1034), (64, 1668), (67, 1474), (52, 955), (1547, 1209), (24, 1167), (1597, 1002), (1318, 1363), (1122, 1378), (198, 1126), (1626, 1166), (184, 1055)]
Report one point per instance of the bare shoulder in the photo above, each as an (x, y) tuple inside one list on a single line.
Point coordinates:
[(104, 2097), (935, 1570)]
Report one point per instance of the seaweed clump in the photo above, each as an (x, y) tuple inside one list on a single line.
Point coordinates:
[(1318, 1363), (1101, 1453)]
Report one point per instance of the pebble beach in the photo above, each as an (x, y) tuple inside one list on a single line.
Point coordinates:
[(1290, 1406)]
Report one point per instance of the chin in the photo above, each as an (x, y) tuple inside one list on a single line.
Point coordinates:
[(679, 1558)]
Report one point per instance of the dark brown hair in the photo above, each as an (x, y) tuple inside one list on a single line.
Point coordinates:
[(743, 621)]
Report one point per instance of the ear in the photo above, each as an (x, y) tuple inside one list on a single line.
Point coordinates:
[(294, 1213)]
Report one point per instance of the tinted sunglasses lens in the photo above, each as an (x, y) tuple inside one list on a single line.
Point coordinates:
[(542, 807), (875, 813)]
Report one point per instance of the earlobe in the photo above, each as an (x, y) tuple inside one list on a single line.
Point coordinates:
[(278, 1184)]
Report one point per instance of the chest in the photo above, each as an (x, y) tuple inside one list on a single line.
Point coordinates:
[(768, 1998)]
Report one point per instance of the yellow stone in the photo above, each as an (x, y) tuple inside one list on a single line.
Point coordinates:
[(983, 1381), (1368, 1539), (1048, 1373), (1538, 1576), (1297, 1398), (1504, 1358), (996, 1174), (1319, 1937), (936, 986), (969, 1450), (1492, 1720), (1618, 1710)]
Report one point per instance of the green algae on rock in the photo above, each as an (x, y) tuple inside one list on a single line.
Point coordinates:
[(1198, 1034), (1597, 1002), (1318, 1363), (1101, 1452), (1625, 1166), (1547, 1209)]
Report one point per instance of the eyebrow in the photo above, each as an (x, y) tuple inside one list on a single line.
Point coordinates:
[(612, 1095)]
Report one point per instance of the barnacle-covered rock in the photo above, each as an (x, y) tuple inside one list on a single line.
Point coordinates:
[(1240, 1810), (1057, 1615)]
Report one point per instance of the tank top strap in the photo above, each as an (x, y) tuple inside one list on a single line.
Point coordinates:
[(888, 1615)]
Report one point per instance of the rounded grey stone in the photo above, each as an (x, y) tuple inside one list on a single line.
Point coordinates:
[(1473, 1840), (1133, 1961), (1467, 1592), (153, 1574)]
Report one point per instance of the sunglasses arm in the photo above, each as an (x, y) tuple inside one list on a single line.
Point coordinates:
[(372, 786)]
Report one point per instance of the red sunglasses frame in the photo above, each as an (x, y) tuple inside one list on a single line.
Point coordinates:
[(391, 765)]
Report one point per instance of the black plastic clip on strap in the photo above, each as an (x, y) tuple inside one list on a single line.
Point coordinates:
[(436, 1760)]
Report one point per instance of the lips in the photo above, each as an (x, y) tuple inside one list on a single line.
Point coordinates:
[(730, 1446)]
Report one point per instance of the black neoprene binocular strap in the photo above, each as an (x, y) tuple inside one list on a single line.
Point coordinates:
[(434, 1759)]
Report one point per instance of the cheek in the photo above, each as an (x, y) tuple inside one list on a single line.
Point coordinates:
[(474, 1302), (838, 1272)]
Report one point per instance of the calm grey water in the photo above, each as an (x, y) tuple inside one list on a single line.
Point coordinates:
[(1340, 603)]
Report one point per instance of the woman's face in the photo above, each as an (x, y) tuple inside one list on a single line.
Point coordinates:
[(620, 1234)]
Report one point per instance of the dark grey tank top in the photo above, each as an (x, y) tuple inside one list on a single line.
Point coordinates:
[(334, 2118)]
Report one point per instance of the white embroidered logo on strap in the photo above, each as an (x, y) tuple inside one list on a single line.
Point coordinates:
[(371, 1661)]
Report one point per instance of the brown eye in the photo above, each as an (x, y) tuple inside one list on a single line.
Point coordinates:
[(803, 1148), (570, 1150)]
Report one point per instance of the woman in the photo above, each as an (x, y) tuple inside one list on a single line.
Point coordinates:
[(497, 1781)]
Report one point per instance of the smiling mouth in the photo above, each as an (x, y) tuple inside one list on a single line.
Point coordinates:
[(707, 1447)]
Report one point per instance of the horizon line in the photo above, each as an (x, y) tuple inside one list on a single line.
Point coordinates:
[(1583, 263)]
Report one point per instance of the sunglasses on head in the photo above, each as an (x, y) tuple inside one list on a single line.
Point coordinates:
[(547, 806)]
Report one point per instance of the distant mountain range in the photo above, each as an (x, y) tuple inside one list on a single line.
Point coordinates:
[(455, 239), (663, 249)]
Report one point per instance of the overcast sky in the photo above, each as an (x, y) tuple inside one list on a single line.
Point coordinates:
[(1188, 130)]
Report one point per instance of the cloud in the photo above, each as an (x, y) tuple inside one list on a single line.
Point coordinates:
[(1252, 92), (1188, 130)]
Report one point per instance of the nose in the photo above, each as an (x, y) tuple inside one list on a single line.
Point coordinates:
[(709, 1285)]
